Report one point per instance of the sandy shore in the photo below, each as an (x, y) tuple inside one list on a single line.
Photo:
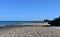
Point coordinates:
[(29, 32), (55, 27)]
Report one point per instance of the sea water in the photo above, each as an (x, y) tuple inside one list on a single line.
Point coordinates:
[(3, 23)]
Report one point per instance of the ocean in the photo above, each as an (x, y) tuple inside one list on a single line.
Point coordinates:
[(3, 23)]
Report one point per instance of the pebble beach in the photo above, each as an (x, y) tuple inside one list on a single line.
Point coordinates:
[(29, 32)]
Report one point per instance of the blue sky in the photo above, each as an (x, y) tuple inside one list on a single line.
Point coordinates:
[(29, 10)]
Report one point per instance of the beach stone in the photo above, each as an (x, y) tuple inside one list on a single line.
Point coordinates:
[(29, 32)]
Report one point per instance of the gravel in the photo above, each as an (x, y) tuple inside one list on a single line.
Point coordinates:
[(29, 32)]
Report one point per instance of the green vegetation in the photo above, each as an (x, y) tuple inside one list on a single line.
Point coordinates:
[(54, 22)]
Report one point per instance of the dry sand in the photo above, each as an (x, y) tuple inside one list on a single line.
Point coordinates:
[(29, 32)]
